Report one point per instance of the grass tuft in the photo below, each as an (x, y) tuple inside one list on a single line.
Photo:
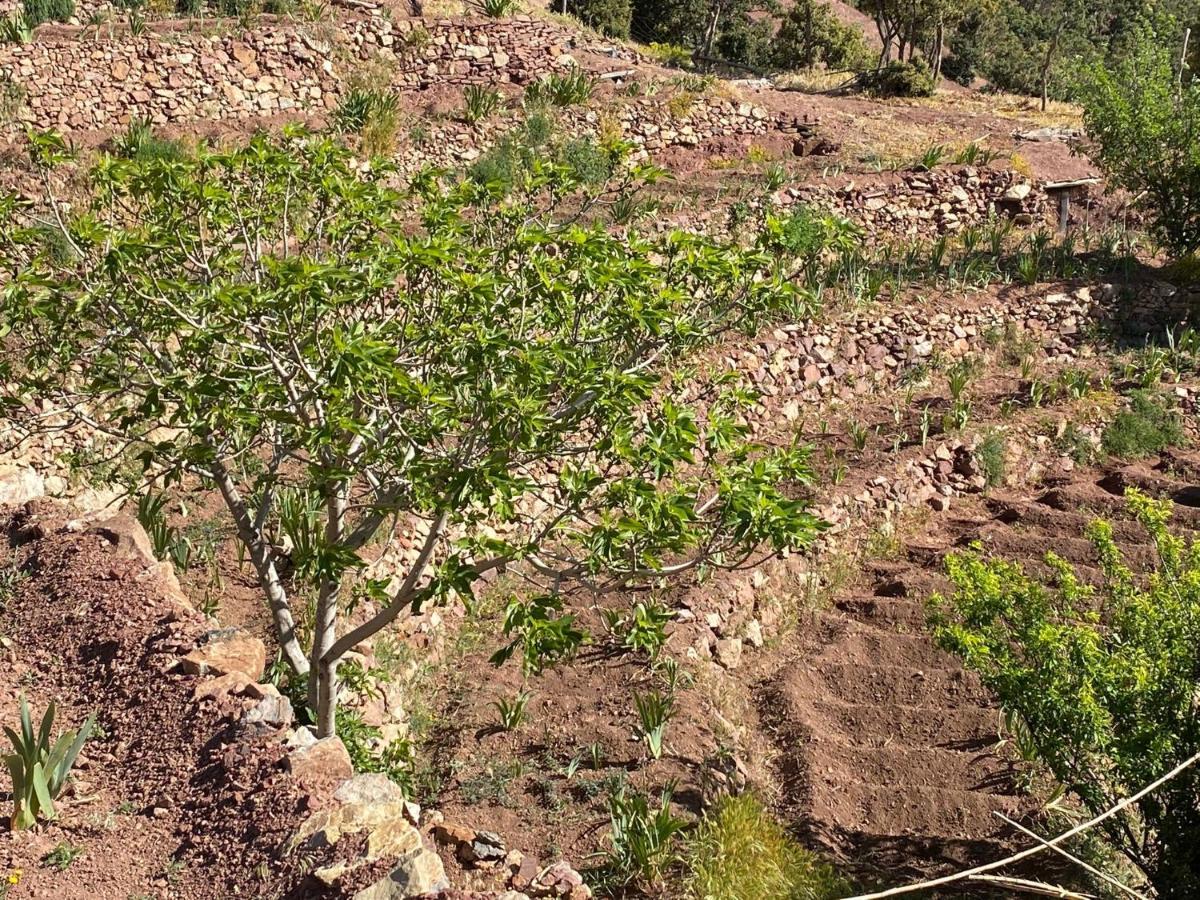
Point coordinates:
[(739, 852)]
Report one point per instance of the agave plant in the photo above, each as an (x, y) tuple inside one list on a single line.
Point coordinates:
[(39, 769)]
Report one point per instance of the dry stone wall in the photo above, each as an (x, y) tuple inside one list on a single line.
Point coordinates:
[(928, 204), (78, 79)]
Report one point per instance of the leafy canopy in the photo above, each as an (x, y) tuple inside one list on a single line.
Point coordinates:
[(1103, 680), (1144, 119), (462, 375)]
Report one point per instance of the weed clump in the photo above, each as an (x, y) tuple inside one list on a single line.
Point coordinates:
[(1148, 426)]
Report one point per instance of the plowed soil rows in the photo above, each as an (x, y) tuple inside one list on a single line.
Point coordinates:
[(888, 748)]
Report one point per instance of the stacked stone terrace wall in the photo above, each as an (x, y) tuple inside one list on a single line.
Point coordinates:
[(74, 79), (928, 204)]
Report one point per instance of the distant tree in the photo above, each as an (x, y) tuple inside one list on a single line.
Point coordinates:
[(748, 41), (611, 17), (681, 22), (474, 370), (1142, 114), (703, 25), (810, 33)]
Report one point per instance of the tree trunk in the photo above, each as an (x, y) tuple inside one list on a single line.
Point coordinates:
[(1048, 60), (885, 37), (939, 43), (710, 34), (326, 705), (329, 593), (264, 567)]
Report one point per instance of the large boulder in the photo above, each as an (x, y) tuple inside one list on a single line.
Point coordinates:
[(19, 485), (414, 871)]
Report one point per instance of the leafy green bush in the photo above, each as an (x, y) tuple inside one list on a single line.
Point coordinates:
[(1149, 425), (739, 852), (38, 768), (1102, 681), (610, 17), (1143, 119), (899, 78), (38, 11), (810, 34)]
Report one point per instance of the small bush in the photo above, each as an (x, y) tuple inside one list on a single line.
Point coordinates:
[(991, 453), (497, 9), (140, 143), (643, 836), (739, 852), (373, 115), (569, 88), (15, 29), (671, 55), (1146, 427), (900, 78), (38, 11), (479, 102)]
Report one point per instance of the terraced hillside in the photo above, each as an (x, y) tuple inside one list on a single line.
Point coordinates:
[(954, 371)]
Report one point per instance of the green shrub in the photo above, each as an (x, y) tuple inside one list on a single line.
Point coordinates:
[(1143, 120), (811, 34), (15, 30), (610, 17), (671, 55), (899, 78), (1146, 427), (991, 453), (739, 852), (140, 143), (1099, 683), (497, 9), (38, 11), (372, 114)]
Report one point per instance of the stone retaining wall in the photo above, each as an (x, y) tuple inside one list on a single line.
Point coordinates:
[(74, 81), (928, 204)]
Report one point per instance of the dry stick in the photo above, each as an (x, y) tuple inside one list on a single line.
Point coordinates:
[(1031, 887), (988, 867), (1075, 859)]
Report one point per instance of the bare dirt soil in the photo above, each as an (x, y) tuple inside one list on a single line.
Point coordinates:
[(167, 801)]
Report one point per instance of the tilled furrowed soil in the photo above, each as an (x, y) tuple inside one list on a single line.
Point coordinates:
[(889, 750)]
